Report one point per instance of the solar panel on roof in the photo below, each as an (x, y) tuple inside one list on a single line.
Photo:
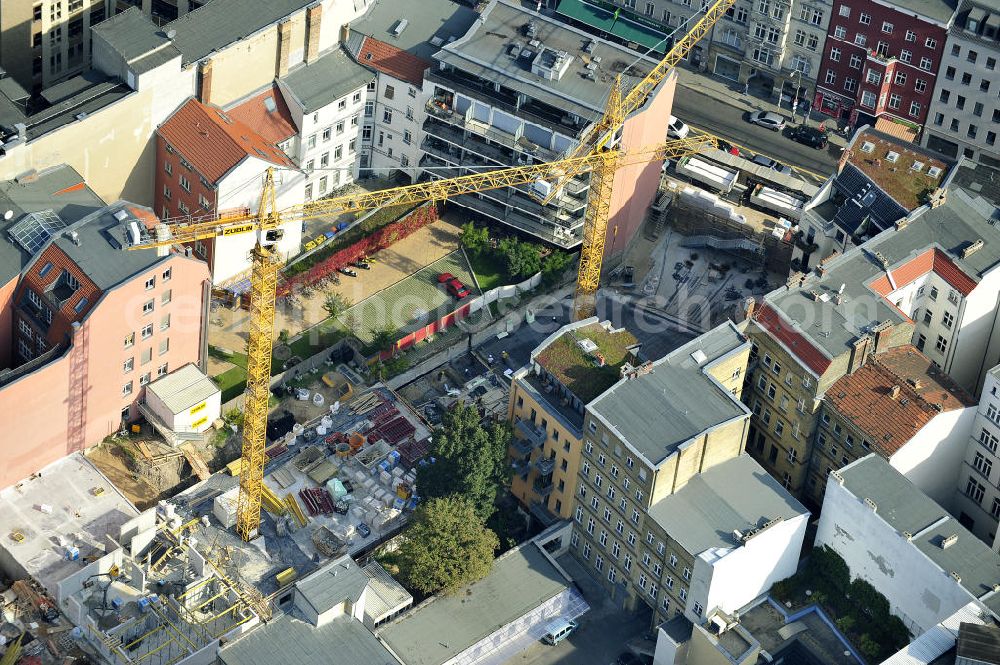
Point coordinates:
[(35, 229)]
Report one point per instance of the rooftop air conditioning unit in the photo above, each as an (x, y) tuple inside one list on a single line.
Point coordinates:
[(868, 147), (893, 157), (397, 29)]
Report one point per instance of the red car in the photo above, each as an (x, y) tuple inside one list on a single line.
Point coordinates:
[(445, 277), (457, 289)]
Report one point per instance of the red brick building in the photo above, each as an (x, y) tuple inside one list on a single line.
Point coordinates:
[(881, 59)]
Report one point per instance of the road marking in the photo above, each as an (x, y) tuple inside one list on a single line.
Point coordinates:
[(800, 169)]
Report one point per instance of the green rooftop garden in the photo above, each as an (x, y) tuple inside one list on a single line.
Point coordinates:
[(587, 375)]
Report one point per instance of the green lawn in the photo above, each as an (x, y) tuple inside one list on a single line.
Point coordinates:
[(489, 269), (232, 382)]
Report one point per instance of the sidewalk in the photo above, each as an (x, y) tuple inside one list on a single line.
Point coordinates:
[(731, 94)]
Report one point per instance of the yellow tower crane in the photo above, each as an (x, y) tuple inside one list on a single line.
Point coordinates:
[(595, 154), (602, 135)]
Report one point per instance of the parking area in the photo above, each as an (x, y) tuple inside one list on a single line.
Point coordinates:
[(603, 631)]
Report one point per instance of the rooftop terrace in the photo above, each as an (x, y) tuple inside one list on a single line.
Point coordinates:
[(587, 373)]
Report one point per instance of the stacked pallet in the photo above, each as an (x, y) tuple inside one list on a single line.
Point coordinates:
[(317, 500)]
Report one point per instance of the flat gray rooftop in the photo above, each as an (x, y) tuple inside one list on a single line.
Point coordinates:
[(326, 79), (288, 639), (951, 227), (131, 34), (905, 508), (735, 495), (77, 517), (100, 249), (49, 191), (657, 411), (339, 580), (444, 626), (436, 20), (486, 52)]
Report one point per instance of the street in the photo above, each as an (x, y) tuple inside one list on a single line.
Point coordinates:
[(729, 123)]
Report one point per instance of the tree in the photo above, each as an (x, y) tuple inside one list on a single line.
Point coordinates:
[(446, 547), (554, 265), (522, 258), (475, 240), (470, 461), (335, 304), (383, 338)]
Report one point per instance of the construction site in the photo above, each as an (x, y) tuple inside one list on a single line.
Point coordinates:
[(88, 573)]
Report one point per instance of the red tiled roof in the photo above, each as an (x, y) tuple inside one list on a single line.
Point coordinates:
[(769, 319), (275, 126), (865, 397), (932, 260), (213, 142), (393, 61)]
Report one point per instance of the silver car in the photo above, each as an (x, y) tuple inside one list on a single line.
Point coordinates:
[(772, 121)]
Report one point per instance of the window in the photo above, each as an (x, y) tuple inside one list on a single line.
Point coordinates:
[(972, 56), (635, 516), (607, 514), (905, 56), (165, 322), (127, 389), (599, 562), (831, 76), (938, 119), (887, 27), (860, 38), (930, 42), (369, 109), (894, 101), (850, 85), (327, 133), (948, 319), (873, 77), (914, 109), (983, 465), (627, 562), (387, 116), (925, 64), (687, 573), (941, 344), (390, 92), (855, 62), (865, 19), (911, 36), (868, 99), (966, 78), (185, 183), (900, 78), (974, 490), (840, 32), (835, 54), (586, 551), (844, 11)]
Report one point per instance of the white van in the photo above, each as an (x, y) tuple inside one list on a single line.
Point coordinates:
[(558, 630)]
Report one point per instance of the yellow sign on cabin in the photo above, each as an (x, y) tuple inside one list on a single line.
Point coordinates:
[(233, 230), (196, 408)]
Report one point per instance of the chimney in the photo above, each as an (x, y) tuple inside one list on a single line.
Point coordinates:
[(751, 305), (938, 197), (881, 330), (894, 392), (859, 350), (314, 17), (973, 247), (205, 82), (844, 157), (949, 541), (345, 33), (284, 46)]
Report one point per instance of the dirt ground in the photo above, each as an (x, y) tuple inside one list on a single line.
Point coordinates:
[(228, 326)]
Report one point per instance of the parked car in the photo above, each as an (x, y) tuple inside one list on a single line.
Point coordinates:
[(726, 146), (445, 277), (364, 530), (772, 121), (457, 289), (677, 129), (558, 630), (763, 160), (809, 136)]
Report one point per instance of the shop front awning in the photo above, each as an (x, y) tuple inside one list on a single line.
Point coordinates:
[(612, 22)]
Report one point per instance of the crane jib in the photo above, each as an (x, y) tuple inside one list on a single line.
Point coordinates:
[(234, 230)]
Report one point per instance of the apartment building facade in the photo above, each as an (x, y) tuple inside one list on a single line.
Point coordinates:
[(881, 59), (923, 283), (528, 97), (326, 98), (90, 323), (965, 109), (977, 497), (645, 439), (44, 42), (392, 126), (891, 535), (209, 165), (902, 408), (548, 398)]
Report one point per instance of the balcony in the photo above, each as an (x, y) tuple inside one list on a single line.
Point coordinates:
[(484, 130), (880, 58), (533, 436), (542, 486), (521, 465), (545, 465)]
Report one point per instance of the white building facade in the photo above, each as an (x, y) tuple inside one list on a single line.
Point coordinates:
[(977, 501)]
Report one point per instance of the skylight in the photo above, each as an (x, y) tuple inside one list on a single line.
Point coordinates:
[(35, 229)]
